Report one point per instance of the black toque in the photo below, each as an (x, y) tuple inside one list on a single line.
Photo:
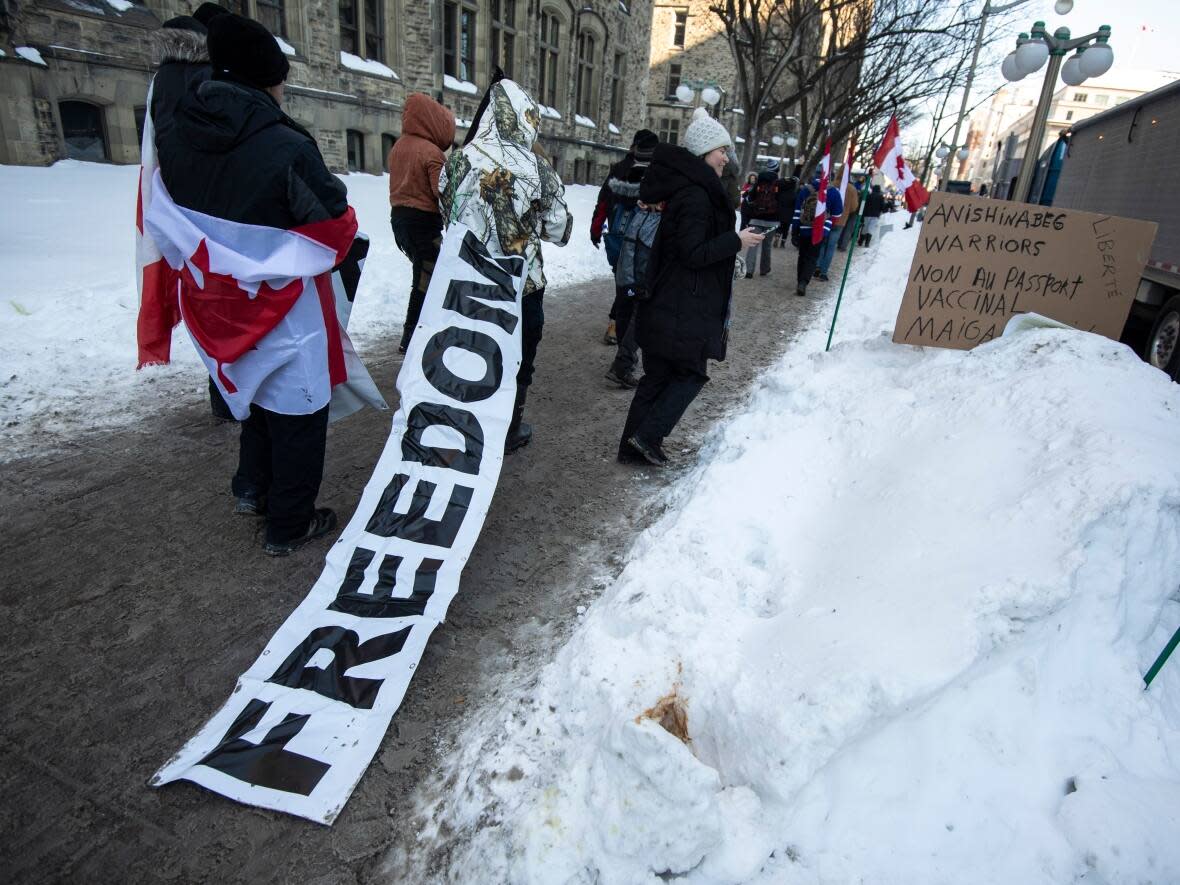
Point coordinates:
[(644, 144), (241, 49), (206, 12)]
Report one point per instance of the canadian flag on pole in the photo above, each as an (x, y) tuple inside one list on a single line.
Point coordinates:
[(821, 198), (891, 161)]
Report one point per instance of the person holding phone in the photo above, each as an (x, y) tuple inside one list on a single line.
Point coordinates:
[(685, 321)]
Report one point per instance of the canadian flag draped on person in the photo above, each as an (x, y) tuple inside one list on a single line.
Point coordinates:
[(823, 223), (891, 160)]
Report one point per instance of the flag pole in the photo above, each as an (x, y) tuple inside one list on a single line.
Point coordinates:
[(848, 261), (1162, 659)]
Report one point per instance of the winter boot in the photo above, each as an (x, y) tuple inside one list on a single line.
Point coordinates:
[(322, 522), (868, 240), (611, 336), (519, 430)]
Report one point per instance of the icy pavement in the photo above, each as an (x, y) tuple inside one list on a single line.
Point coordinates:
[(69, 301), (899, 616)]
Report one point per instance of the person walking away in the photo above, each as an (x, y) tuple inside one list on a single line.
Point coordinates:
[(787, 190), (747, 189), (806, 204), (511, 199), (684, 323), (181, 60), (874, 206), (850, 205), (763, 202), (617, 199), (415, 164), (246, 211), (857, 193)]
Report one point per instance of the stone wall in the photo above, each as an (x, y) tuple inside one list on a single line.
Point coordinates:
[(99, 54)]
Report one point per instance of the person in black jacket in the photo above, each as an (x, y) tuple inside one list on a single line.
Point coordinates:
[(874, 206), (763, 216), (685, 322), (231, 153), (620, 191), (787, 189)]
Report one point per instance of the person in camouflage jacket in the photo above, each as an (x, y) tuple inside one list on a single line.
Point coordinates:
[(502, 188)]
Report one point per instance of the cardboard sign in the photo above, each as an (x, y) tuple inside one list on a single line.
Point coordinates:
[(980, 262)]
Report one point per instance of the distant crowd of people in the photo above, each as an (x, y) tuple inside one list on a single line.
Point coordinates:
[(665, 215)]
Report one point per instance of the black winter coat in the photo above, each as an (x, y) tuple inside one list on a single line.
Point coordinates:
[(685, 319), (233, 153), (874, 205), (787, 190)]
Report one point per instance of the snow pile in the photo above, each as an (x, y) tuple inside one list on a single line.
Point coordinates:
[(67, 333), (549, 112), (900, 616), (367, 66), (460, 85), (286, 47), (585, 121), (29, 53)]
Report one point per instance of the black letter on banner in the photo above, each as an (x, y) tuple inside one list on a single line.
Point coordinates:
[(266, 764), (330, 681), (446, 381), (498, 270), (381, 603), (460, 298), (414, 526), (426, 415)]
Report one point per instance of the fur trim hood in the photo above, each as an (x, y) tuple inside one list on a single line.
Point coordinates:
[(178, 45)]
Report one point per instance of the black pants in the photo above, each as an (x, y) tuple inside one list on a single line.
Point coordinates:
[(532, 323), (623, 313), (218, 405), (281, 457), (808, 258), (666, 390), (418, 235)]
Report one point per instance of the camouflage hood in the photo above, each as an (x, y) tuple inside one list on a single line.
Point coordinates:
[(510, 197)]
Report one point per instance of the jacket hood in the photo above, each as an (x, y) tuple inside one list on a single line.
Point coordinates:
[(170, 44), (222, 114), (768, 176), (426, 118), (673, 168), (511, 116)]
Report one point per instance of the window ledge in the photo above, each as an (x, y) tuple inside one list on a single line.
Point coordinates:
[(367, 66), (456, 85)]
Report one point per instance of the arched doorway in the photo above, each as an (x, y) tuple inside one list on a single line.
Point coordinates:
[(83, 130)]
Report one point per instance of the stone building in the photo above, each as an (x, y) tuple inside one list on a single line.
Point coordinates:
[(74, 73)]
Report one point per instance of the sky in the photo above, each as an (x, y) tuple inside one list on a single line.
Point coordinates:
[(1143, 36)]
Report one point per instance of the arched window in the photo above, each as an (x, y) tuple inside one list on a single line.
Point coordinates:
[(550, 51), (585, 102), (356, 150), (83, 130)]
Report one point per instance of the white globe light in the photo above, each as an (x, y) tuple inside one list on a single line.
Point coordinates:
[(792, 141), (1031, 56), (683, 94), (963, 153), (1009, 70), (942, 151), (710, 96), (1096, 60), (1063, 7), (776, 140), (1071, 71)]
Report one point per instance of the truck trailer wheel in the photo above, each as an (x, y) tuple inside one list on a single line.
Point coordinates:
[(1163, 345)]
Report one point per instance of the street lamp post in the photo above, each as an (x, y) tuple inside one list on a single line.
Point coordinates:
[(988, 9), (1094, 58)]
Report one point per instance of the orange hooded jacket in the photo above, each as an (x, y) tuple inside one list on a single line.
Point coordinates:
[(417, 158)]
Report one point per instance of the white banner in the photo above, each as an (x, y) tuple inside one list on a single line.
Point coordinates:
[(305, 720)]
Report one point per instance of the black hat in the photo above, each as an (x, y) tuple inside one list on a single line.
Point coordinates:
[(644, 144), (206, 12), (185, 23), (241, 49)]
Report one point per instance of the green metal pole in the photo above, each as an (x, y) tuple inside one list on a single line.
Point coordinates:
[(848, 262), (1162, 659)]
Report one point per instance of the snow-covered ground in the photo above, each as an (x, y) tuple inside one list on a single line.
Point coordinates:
[(69, 302), (900, 613)]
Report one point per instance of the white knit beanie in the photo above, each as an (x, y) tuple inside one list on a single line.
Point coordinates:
[(705, 134)]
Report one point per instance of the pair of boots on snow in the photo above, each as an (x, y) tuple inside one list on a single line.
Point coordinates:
[(864, 239)]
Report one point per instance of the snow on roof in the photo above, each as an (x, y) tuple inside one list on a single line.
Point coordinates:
[(28, 53), (459, 85), (367, 66)]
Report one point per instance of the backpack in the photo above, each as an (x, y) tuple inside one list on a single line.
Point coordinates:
[(616, 224), (764, 203), (808, 209), (636, 268)]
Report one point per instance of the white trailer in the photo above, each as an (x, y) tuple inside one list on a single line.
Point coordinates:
[(1126, 161)]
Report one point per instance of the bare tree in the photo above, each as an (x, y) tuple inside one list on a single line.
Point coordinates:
[(839, 65)]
